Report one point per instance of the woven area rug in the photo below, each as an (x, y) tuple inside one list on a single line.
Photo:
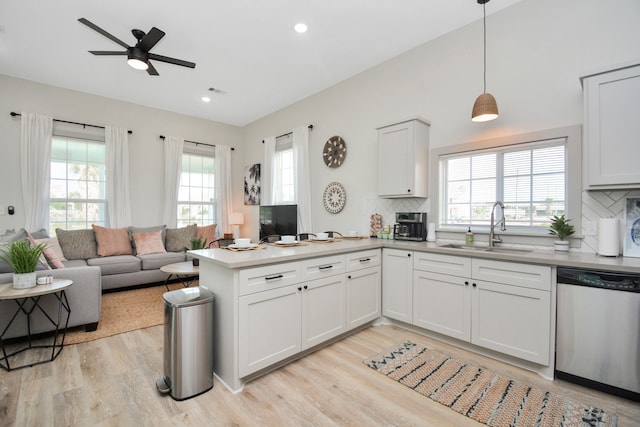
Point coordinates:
[(480, 394), (125, 311)]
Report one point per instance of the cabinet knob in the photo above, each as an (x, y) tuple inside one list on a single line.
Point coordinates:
[(409, 191), (409, 255), (299, 288), (474, 285), (348, 277), (466, 283), (306, 287)]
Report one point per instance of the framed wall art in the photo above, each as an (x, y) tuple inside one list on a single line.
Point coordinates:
[(632, 227), (252, 184)]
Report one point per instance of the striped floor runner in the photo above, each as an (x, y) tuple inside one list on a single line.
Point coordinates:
[(482, 395)]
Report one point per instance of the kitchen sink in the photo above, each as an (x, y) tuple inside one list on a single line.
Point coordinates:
[(497, 249)]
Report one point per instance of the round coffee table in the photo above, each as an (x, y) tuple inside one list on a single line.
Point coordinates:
[(185, 271), (27, 301)]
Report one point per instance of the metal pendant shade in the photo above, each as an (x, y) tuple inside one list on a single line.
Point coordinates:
[(485, 108)]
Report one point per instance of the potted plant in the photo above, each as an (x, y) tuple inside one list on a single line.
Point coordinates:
[(561, 228), (23, 260), (198, 243)]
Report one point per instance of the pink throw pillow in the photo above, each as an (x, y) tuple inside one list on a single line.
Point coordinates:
[(43, 259), (112, 241), (149, 242), (208, 231), (53, 253)]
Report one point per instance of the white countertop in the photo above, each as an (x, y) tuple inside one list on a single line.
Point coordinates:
[(273, 254)]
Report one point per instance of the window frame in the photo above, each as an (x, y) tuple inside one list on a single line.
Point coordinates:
[(525, 235), (202, 152), (283, 144)]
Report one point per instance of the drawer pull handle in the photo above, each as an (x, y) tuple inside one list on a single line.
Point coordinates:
[(325, 267), (279, 276), (365, 259)]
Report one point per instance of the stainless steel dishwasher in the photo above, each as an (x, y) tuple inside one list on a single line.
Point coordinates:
[(598, 330)]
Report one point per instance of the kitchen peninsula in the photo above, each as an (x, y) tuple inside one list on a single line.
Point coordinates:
[(277, 304)]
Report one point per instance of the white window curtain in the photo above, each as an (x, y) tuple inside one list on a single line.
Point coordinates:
[(117, 184), (267, 171), (302, 177), (224, 205), (173, 147), (35, 158)]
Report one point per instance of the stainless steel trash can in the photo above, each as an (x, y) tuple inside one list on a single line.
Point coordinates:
[(188, 343)]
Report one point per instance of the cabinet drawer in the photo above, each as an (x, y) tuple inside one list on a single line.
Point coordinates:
[(317, 268), (268, 277), (363, 259), (510, 273), (443, 264)]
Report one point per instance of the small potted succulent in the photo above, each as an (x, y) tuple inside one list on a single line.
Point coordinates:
[(561, 228), (23, 260), (198, 243)]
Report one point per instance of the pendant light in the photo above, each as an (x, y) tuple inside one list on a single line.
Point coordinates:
[(485, 108)]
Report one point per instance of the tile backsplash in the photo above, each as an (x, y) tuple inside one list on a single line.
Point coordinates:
[(388, 208)]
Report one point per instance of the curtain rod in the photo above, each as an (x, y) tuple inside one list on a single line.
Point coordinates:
[(162, 137), (310, 127), (73, 123)]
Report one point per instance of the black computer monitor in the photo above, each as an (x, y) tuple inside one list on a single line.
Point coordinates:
[(278, 219)]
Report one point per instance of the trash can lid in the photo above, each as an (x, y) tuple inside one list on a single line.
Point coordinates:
[(188, 296)]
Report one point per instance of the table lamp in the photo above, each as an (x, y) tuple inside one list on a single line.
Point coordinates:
[(236, 219)]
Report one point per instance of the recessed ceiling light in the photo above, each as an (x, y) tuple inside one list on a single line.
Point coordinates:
[(206, 99), (301, 28)]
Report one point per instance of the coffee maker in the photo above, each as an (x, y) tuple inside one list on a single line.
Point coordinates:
[(410, 226)]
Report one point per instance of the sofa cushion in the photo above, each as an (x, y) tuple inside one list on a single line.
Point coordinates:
[(12, 236), (155, 261), (149, 242), (112, 241), (75, 263), (77, 244), (53, 252), (208, 231), (42, 261), (144, 230), (179, 239), (116, 264)]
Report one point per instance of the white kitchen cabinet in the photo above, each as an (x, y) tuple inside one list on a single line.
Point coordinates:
[(403, 159), (363, 287), (612, 128), (397, 284), (502, 306), (323, 310)]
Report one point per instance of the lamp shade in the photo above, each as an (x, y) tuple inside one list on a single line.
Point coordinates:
[(236, 218), (485, 108)]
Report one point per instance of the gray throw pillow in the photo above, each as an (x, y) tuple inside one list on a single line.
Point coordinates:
[(12, 236), (77, 244), (40, 234), (179, 239), (4, 267)]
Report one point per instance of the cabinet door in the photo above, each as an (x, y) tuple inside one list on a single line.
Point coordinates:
[(612, 102), (512, 320), (269, 328), (442, 304), (395, 164), (397, 284), (323, 310), (363, 296)]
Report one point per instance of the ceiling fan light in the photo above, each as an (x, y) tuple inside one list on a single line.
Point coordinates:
[(485, 108), (137, 59), (137, 64)]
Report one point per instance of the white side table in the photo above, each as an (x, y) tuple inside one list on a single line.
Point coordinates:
[(27, 301), (185, 271)]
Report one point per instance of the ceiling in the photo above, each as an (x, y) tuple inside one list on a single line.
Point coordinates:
[(246, 49)]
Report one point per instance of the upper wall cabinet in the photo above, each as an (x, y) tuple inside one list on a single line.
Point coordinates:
[(612, 128), (403, 159)]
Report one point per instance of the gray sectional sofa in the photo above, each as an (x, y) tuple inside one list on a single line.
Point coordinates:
[(89, 263)]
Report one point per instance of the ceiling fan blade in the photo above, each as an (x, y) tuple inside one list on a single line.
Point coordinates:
[(172, 60), (107, 52), (103, 32), (151, 38), (152, 70)]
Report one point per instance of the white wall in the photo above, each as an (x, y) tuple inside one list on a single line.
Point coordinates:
[(146, 150), (536, 52)]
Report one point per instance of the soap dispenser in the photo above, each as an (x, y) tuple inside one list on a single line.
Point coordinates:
[(469, 237)]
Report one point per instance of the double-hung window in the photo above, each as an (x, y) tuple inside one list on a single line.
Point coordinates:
[(531, 177), (77, 184), (284, 182), (196, 192)]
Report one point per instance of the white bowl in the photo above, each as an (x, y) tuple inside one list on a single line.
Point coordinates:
[(322, 236), (288, 239), (242, 242)]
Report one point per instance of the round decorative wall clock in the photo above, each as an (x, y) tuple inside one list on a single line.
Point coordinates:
[(334, 197), (334, 152)]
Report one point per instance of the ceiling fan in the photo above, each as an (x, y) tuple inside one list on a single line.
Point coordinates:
[(138, 55)]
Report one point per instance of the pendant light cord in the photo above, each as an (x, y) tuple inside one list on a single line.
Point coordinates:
[(484, 48)]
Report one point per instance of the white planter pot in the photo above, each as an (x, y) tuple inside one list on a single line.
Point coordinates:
[(24, 281), (561, 245)]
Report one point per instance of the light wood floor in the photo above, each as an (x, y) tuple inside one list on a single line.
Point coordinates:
[(111, 382)]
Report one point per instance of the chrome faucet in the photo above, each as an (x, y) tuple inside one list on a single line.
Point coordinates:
[(493, 238)]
